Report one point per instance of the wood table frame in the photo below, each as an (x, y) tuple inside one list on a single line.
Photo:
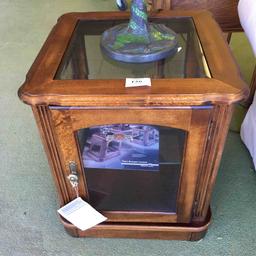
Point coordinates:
[(201, 106)]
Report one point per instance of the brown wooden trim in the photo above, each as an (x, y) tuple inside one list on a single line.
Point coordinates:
[(68, 152), (198, 125), (165, 232), (40, 88), (217, 135), (165, 92), (218, 54), (177, 118), (125, 216), (43, 121)]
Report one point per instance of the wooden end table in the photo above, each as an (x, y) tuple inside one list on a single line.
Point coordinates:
[(146, 157)]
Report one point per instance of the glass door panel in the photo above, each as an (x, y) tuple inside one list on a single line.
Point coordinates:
[(132, 167)]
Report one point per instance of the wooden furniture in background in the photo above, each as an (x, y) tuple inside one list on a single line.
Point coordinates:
[(224, 11), (73, 88)]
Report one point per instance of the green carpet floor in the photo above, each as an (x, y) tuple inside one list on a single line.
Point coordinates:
[(28, 220)]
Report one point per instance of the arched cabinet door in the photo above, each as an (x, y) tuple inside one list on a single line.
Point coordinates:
[(133, 165)]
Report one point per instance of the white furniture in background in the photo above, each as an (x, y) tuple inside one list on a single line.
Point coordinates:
[(247, 16)]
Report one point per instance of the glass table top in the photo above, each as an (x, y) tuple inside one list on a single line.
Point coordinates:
[(84, 59)]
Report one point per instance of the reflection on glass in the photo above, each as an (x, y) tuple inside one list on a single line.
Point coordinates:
[(84, 59), (132, 167)]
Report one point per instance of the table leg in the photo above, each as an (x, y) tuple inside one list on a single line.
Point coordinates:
[(159, 67), (79, 60)]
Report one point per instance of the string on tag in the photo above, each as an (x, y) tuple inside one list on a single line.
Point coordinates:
[(77, 191)]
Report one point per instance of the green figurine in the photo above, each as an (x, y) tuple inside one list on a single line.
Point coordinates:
[(139, 40)]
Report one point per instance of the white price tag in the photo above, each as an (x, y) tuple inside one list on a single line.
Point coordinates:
[(135, 82), (81, 214)]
